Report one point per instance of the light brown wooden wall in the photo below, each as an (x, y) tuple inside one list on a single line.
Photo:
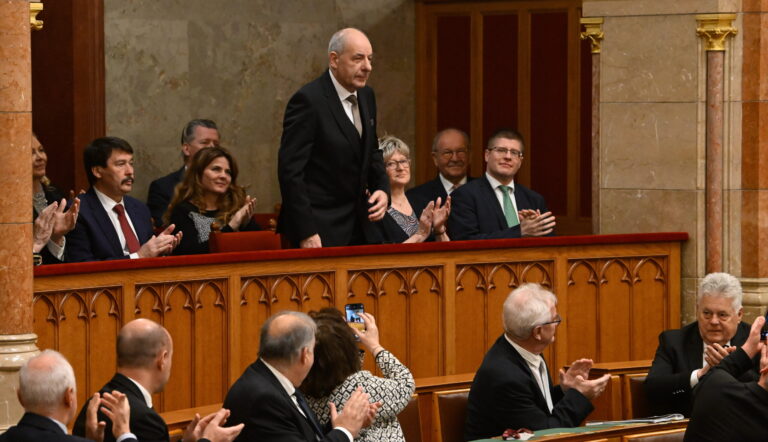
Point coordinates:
[(438, 308)]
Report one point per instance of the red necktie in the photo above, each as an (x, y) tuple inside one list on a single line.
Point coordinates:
[(130, 237)]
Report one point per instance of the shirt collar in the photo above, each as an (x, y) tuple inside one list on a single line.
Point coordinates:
[(144, 392), (448, 184), (287, 385), (62, 426), (531, 358), (340, 90), (495, 183), (106, 201)]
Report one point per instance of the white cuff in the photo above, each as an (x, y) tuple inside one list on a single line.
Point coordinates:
[(134, 255), (694, 378), (125, 436), (57, 250), (342, 429)]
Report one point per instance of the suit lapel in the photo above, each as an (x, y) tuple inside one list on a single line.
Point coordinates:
[(541, 401), (694, 349), (104, 223), (142, 233), (303, 423), (498, 212), (337, 110)]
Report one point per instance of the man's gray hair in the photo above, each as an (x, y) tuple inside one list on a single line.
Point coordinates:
[(526, 307), (389, 145), (338, 40), (44, 379), (446, 130), (286, 346), (721, 285)]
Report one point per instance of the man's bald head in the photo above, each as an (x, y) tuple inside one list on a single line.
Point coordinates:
[(139, 343), (43, 382), (283, 336)]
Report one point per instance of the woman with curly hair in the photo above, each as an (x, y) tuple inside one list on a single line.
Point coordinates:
[(209, 198), (337, 372)]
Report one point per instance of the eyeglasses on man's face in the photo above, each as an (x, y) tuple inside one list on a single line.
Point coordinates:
[(504, 151), (403, 164), (448, 154), (558, 319)]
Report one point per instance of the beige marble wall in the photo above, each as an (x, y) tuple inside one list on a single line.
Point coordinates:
[(652, 120), (238, 62)]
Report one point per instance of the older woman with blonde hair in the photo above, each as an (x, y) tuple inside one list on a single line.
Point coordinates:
[(406, 220)]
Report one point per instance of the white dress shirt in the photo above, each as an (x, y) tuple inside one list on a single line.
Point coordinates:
[(109, 204), (537, 366), (343, 94), (500, 193), (449, 186)]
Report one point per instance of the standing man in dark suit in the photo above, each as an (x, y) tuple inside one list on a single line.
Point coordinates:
[(450, 151), (513, 388), (196, 135), (111, 224), (684, 356), (47, 391), (331, 173), (725, 408), (266, 399), (494, 206)]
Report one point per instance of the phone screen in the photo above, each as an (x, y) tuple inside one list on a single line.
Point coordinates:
[(764, 331), (353, 315)]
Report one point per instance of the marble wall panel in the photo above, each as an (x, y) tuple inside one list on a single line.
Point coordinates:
[(634, 70), (617, 8), (238, 62), (649, 146)]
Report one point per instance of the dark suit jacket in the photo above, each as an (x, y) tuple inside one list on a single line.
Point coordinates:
[(35, 428), (94, 237), (258, 400), (504, 394), (668, 384), (727, 409), (477, 214), (161, 193), (325, 167), (430, 191), (146, 424)]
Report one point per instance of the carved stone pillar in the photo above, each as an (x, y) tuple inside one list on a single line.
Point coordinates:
[(594, 32), (714, 29), (17, 342)]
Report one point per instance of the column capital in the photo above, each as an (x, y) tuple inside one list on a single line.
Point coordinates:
[(715, 29), (593, 30), (34, 9)]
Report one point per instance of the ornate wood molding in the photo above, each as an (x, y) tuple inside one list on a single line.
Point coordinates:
[(34, 9), (593, 30), (715, 29)]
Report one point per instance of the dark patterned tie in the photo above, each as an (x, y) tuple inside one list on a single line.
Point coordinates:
[(130, 238), (308, 414), (356, 114)]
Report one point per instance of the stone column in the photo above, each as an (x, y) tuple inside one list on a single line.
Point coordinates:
[(17, 342), (714, 29), (593, 30)]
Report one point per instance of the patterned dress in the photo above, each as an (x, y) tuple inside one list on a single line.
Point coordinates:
[(394, 391)]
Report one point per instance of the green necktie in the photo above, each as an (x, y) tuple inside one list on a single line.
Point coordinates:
[(509, 209)]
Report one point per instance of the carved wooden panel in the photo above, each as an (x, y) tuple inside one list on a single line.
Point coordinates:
[(615, 308), (480, 293), (195, 314), (262, 296), (82, 325), (407, 303)]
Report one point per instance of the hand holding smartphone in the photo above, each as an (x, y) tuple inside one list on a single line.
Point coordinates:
[(353, 315), (764, 330)]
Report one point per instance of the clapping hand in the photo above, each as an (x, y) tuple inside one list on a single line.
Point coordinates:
[(242, 217)]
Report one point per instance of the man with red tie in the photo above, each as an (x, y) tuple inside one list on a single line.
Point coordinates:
[(111, 224)]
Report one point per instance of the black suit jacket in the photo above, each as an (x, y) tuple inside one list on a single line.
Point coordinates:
[(504, 394), (94, 237), (161, 193), (258, 400), (35, 428), (146, 424), (727, 409), (325, 167), (477, 214), (430, 191), (668, 384)]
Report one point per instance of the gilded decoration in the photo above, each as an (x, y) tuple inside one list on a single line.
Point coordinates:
[(593, 30), (34, 9), (715, 28)]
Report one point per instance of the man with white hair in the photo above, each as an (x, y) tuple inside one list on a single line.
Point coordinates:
[(685, 355), (513, 389), (47, 391)]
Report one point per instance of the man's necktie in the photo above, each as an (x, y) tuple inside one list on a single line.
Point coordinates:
[(130, 238), (545, 384), (509, 209), (356, 114), (304, 407)]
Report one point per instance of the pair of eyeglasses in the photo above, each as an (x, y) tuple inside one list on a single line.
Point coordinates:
[(503, 151), (447, 154), (403, 164), (558, 319)]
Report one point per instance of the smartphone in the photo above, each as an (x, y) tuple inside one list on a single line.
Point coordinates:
[(353, 315), (764, 330)]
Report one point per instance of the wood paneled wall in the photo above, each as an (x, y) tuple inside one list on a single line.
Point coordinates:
[(438, 306)]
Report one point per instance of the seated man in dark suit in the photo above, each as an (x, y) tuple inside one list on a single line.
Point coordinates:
[(197, 134), (513, 389), (265, 397), (494, 206), (725, 408), (450, 150), (684, 356), (47, 393), (111, 224)]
